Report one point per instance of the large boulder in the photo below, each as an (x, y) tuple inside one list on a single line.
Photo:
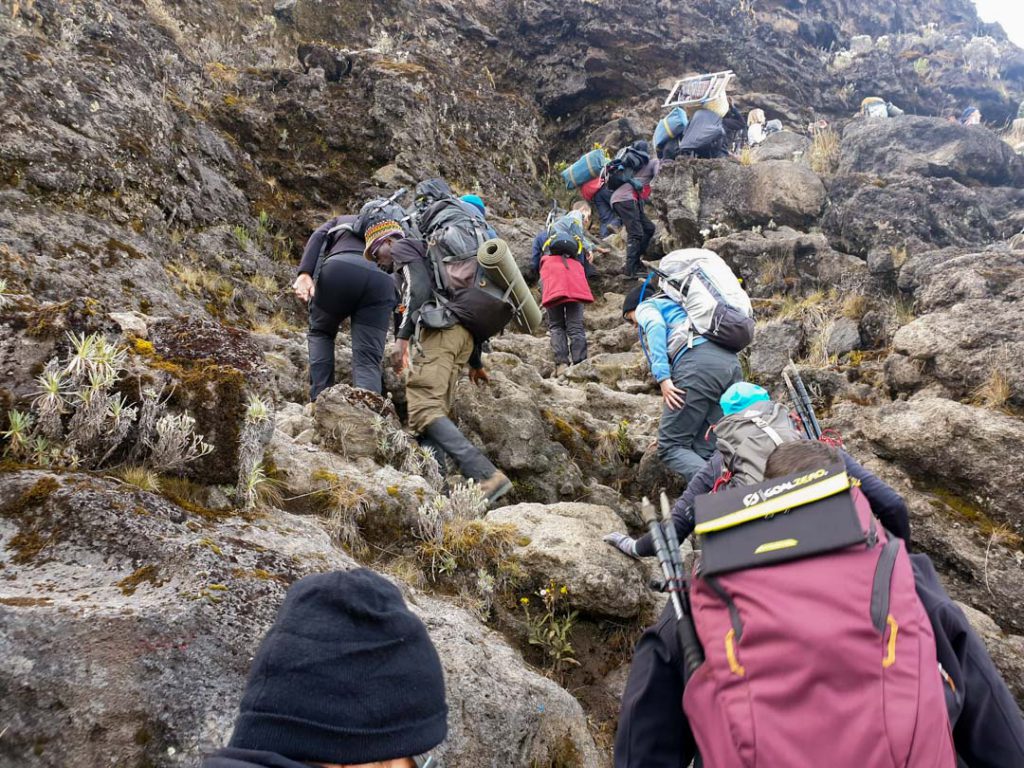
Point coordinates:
[(776, 342), (784, 145), (967, 451), (973, 349), (908, 212), (128, 625), (939, 279), (515, 431), (562, 543), (930, 147), (349, 421), (780, 261), (695, 195)]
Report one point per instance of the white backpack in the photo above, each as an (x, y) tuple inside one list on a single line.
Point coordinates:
[(717, 306)]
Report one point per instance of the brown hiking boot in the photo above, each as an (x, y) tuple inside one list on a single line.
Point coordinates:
[(495, 486)]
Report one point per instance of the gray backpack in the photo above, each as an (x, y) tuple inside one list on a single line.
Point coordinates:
[(746, 440)]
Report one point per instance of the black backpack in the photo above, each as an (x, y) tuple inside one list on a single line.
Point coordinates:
[(453, 232), (381, 209), (627, 162)]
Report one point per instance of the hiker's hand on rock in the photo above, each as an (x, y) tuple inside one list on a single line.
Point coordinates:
[(674, 397), (625, 544), (602, 250), (479, 376), (400, 357), (303, 287)]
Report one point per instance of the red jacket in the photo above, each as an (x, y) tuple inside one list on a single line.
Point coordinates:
[(590, 189), (563, 279)]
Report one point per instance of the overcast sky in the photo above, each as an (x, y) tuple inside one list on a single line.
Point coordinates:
[(1009, 13)]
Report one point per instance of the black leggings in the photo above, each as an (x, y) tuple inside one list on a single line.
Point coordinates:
[(350, 287)]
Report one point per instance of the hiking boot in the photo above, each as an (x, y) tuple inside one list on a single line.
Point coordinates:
[(495, 486), (560, 369)]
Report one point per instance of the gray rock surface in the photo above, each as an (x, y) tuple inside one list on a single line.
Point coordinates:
[(129, 625), (565, 547)]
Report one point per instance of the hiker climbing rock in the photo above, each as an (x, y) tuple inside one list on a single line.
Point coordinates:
[(369, 688), (563, 259), (705, 137), (347, 285), (630, 176), (743, 450), (691, 363), (448, 318), (654, 731)]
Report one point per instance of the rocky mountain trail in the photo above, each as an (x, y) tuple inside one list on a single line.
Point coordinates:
[(161, 164)]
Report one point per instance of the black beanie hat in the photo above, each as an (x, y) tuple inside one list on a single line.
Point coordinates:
[(632, 300), (347, 674)]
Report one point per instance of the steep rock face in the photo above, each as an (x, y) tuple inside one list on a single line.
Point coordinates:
[(970, 155), (921, 183)]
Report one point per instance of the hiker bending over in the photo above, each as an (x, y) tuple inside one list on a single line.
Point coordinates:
[(988, 731), (629, 176), (741, 398), (349, 285), (692, 373), (445, 346), (564, 258), (347, 676)]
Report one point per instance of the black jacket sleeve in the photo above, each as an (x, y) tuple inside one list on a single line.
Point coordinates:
[(476, 357), (313, 246), (415, 287), (888, 506), (682, 511), (988, 729), (653, 731)]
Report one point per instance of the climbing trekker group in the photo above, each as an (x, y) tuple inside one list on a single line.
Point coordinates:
[(805, 633)]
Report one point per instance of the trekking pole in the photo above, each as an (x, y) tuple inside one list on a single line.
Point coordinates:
[(797, 406), (661, 550), (693, 653), (802, 391)]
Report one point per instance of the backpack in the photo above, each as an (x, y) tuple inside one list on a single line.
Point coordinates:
[(747, 438), (627, 162), (873, 106), (817, 648), (381, 209), (453, 234), (716, 305)]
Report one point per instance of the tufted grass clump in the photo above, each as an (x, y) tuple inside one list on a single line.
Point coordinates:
[(143, 478), (824, 151), (6, 297), (995, 392), (254, 487)]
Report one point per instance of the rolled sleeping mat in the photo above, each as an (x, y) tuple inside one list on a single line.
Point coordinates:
[(500, 268), (586, 168), (670, 127)]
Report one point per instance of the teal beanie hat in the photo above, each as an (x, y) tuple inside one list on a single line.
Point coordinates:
[(742, 395), (476, 201)]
